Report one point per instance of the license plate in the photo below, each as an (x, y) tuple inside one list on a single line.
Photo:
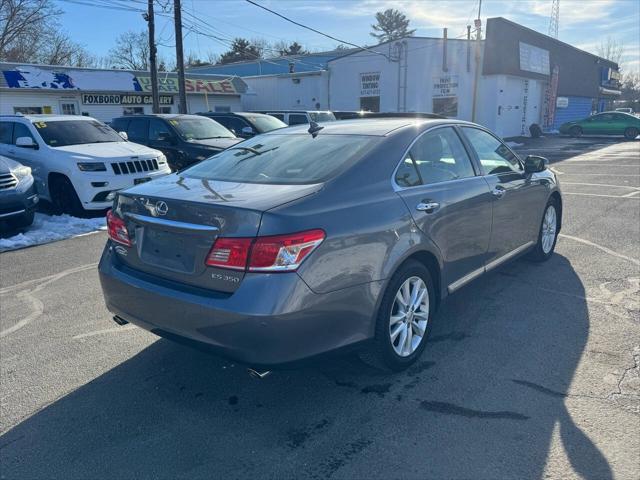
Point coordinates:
[(138, 181)]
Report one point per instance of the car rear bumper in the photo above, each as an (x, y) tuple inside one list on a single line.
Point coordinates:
[(271, 319), (93, 193)]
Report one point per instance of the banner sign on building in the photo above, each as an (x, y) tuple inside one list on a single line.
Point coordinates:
[(445, 86), (191, 85), (32, 77), (370, 84), (534, 59), (123, 99)]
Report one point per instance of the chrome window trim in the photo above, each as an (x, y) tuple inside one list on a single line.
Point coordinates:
[(398, 188)]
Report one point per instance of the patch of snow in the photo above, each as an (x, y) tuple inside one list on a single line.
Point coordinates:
[(515, 145), (48, 228)]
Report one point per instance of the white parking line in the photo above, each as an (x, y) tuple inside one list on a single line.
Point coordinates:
[(599, 174), (602, 185), (124, 328), (600, 247), (599, 195)]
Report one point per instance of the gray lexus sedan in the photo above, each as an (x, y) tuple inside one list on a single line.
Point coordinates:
[(307, 240)]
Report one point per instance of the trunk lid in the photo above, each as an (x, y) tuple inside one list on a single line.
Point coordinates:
[(174, 221)]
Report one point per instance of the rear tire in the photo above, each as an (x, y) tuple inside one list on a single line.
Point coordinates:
[(575, 132), (402, 331), (631, 133), (547, 234), (64, 197)]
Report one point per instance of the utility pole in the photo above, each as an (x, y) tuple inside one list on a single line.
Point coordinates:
[(476, 77), (177, 19), (152, 58)]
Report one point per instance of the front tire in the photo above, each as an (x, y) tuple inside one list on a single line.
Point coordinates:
[(64, 197), (575, 132), (404, 318), (548, 233), (631, 133)]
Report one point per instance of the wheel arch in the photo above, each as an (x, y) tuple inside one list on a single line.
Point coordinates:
[(558, 199)]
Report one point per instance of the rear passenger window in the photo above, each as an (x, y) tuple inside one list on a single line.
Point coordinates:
[(6, 132), (437, 156), (297, 119), (138, 129)]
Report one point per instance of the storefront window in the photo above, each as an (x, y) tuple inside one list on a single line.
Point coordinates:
[(28, 110), (133, 111), (446, 106)]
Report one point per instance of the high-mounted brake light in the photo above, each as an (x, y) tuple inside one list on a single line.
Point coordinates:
[(278, 253), (117, 229)]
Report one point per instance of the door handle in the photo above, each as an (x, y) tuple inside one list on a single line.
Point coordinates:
[(498, 192), (427, 207)]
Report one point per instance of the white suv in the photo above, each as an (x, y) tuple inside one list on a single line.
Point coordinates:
[(78, 163)]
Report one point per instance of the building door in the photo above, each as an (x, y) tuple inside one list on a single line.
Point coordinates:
[(69, 107), (370, 104)]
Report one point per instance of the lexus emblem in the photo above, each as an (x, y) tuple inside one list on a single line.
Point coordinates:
[(158, 209), (161, 208)]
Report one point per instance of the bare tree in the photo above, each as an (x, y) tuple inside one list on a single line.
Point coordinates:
[(29, 32), (131, 51), (611, 49)]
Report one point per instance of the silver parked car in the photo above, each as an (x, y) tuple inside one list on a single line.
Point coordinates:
[(306, 240)]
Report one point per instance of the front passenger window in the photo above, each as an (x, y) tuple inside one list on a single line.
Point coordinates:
[(495, 157), (21, 130)]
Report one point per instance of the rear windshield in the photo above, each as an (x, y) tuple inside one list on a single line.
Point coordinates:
[(266, 123), (202, 128), (75, 132), (284, 159), (322, 116)]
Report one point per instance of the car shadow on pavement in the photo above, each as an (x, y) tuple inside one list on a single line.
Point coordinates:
[(488, 399)]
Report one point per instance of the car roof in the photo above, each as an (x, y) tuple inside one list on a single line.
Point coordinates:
[(48, 117), (161, 115), (237, 114), (371, 127)]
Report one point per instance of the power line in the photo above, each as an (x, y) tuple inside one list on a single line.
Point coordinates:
[(314, 30)]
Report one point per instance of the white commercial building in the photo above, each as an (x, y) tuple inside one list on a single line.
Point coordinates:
[(512, 79), (106, 94)]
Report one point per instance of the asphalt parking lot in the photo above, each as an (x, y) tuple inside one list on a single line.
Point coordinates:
[(532, 372)]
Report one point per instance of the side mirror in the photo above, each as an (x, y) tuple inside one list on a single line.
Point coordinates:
[(124, 136), (248, 131), (534, 164), (26, 142)]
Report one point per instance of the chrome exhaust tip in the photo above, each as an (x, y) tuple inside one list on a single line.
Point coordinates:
[(119, 320), (256, 374)]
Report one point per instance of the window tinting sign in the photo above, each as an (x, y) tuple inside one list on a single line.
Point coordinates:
[(370, 84), (445, 86)]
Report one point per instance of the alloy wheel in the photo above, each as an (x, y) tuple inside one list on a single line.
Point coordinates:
[(549, 226), (409, 316)]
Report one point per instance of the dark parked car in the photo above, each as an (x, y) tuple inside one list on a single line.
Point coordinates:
[(245, 124), (306, 240), (18, 197), (301, 117), (606, 123), (184, 139)]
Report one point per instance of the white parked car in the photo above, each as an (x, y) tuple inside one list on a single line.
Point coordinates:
[(78, 162)]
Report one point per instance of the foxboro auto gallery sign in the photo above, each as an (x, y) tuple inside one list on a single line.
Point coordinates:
[(123, 99)]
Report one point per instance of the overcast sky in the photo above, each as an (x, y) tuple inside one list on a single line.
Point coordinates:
[(583, 23)]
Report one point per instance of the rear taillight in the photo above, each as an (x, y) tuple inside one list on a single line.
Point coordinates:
[(117, 229), (229, 253), (278, 253)]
